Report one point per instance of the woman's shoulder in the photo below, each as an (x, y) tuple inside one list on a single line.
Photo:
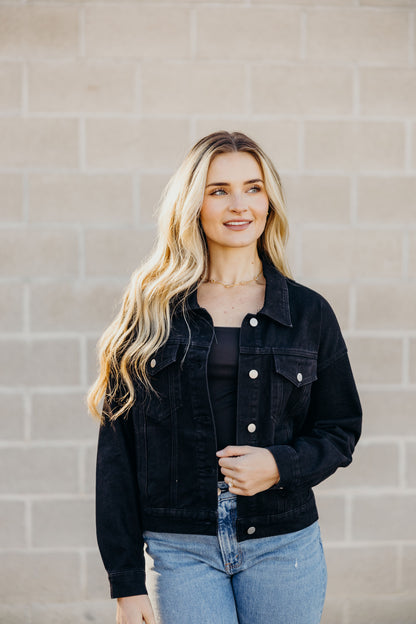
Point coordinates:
[(305, 295)]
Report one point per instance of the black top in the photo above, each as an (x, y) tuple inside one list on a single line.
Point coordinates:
[(222, 383)]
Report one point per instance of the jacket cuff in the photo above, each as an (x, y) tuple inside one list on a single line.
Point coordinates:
[(129, 583), (286, 460)]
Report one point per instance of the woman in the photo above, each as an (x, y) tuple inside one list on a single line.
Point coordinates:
[(228, 395)]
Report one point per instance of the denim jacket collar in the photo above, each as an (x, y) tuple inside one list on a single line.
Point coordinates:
[(276, 301)]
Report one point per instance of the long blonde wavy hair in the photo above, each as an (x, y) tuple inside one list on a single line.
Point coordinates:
[(174, 269)]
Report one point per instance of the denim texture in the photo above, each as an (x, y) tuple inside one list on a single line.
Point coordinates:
[(279, 579), (156, 469)]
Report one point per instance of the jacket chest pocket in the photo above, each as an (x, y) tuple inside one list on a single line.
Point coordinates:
[(164, 377), (293, 375)]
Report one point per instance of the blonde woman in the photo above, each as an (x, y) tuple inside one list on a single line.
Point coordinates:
[(228, 395)]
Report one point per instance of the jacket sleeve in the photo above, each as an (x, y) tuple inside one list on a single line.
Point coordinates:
[(333, 423), (118, 526)]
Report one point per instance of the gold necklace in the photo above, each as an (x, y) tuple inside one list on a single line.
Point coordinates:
[(254, 279)]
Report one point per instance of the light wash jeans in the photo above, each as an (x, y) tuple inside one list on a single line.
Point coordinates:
[(207, 579)]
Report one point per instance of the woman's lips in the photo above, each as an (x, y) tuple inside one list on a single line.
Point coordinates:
[(237, 225)]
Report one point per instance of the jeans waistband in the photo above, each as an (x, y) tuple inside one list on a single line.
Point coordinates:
[(224, 492)]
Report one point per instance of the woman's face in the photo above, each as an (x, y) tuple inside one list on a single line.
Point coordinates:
[(235, 205)]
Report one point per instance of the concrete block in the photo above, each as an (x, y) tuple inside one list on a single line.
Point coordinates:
[(388, 412), (103, 611), (12, 522), (333, 611), (125, 144), (63, 524), (248, 33), (412, 357), (74, 306), (279, 139), (81, 198), (376, 361), (358, 146), (40, 577), (395, 308), (143, 32), (383, 610), (40, 362), (46, 32), (412, 254), (307, 90), (116, 253), (411, 464), (92, 359), (151, 186), (90, 461), (12, 416), (341, 254), (78, 86), (98, 586), (317, 199), (62, 416), (14, 613), (11, 307), (331, 510), (37, 142), (38, 253), (396, 513), (360, 570), (357, 34), (387, 91), (11, 190), (39, 470), (192, 88), (408, 569), (10, 86), (374, 466), (386, 200)]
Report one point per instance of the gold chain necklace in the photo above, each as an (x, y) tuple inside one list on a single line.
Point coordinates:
[(254, 279)]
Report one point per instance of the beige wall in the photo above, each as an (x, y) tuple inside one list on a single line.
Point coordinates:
[(99, 102)]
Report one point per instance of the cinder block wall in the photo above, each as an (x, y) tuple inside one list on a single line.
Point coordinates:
[(99, 102)]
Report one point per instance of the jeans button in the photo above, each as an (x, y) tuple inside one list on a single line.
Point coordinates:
[(251, 530)]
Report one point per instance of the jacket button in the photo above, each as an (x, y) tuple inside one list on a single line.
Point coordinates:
[(253, 322), (251, 530), (153, 363), (251, 427), (299, 376), (253, 374)]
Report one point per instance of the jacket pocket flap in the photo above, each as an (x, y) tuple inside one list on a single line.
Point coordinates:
[(298, 369), (163, 357)]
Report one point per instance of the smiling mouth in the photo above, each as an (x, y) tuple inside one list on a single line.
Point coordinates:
[(237, 225)]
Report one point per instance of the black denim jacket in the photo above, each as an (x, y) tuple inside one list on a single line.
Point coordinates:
[(157, 470)]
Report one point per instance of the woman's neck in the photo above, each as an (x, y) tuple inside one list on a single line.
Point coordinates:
[(233, 265)]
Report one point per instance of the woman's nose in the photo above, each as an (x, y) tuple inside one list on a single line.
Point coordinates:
[(238, 203)]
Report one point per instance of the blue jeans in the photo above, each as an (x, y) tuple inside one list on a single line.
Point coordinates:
[(204, 578)]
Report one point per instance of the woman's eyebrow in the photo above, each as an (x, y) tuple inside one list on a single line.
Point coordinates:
[(227, 184)]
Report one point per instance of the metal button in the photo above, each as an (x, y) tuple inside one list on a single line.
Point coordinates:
[(251, 530), (251, 427), (153, 363), (299, 376), (253, 374), (253, 322)]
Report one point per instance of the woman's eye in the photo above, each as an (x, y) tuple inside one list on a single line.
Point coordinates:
[(255, 188)]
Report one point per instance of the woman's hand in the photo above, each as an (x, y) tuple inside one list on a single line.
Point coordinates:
[(252, 469), (135, 610)]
